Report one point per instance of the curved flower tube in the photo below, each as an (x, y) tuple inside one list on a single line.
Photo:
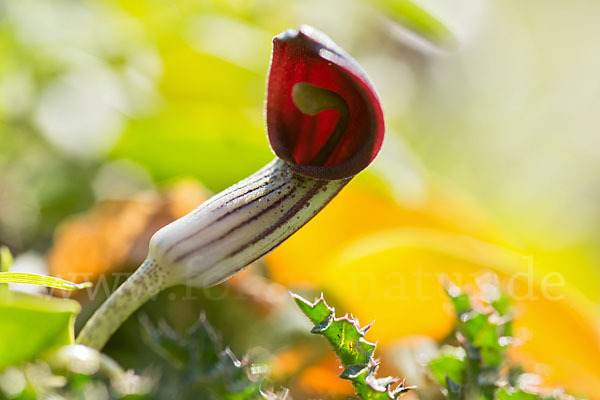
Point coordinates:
[(324, 124)]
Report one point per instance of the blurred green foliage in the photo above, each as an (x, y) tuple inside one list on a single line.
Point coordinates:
[(190, 366), (101, 99), (197, 365), (31, 325)]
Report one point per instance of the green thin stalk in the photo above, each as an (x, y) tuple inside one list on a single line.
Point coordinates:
[(146, 282)]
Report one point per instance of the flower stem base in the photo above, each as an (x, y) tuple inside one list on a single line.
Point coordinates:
[(146, 282)]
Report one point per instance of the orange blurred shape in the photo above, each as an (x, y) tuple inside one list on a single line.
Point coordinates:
[(323, 379), (115, 233), (381, 261), (288, 362), (314, 373)]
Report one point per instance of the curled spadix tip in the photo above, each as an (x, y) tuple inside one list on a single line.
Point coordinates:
[(323, 114)]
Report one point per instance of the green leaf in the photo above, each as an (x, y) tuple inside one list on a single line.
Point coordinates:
[(472, 325), (317, 312), (461, 303), (502, 305), (355, 353), (487, 340), (32, 325), (460, 300), (447, 366), (344, 334), (42, 280)]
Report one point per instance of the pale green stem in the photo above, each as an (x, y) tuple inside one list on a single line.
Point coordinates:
[(147, 281), (212, 243)]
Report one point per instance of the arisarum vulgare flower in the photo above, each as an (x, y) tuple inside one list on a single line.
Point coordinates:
[(325, 125), (323, 115)]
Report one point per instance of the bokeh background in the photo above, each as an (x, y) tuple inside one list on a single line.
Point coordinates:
[(117, 117)]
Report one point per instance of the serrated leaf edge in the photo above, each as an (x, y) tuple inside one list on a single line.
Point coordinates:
[(353, 372)]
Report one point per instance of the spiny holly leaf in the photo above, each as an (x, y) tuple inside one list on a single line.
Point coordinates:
[(198, 366), (355, 353), (479, 329), (317, 312), (478, 369), (344, 334)]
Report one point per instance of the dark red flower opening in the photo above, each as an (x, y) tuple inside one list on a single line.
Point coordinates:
[(340, 128)]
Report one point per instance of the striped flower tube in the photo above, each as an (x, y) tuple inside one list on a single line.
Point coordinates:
[(325, 125)]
